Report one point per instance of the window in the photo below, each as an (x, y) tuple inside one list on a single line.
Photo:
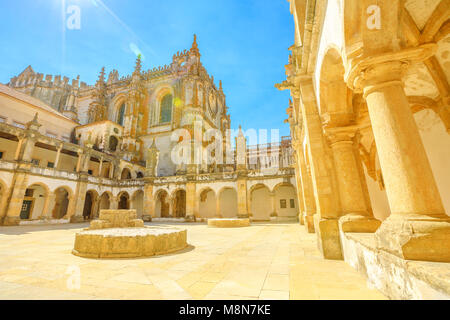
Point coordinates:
[(29, 193), (1, 154), (50, 164), (18, 125), (166, 109), (35, 162), (121, 115), (292, 203), (90, 172), (283, 204), (51, 135)]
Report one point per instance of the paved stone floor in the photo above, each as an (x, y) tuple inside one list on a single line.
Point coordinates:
[(264, 261)]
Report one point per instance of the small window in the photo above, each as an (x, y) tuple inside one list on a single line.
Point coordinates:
[(35, 162), (166, 109), (292, 203), (283, 204), (121, 115), (1, 154), (19, 125), (90, 172), (29, 193), (50, 164)]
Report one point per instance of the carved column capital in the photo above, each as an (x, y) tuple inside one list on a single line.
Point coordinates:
[(377, 70)]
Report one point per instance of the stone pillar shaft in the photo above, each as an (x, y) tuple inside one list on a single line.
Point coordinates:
[(418, 228)]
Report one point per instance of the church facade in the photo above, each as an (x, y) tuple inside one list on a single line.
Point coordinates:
[(158, 141)]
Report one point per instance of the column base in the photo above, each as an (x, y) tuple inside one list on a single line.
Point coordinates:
[(11, 221), (309, 224), (77, 219), (301, 219), (416, 237), (243, 216), (358, 224), (147, 218), (190, 218), (328, 237)]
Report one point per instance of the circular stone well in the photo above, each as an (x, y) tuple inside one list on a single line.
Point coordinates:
[(228, 223), (129, 242)]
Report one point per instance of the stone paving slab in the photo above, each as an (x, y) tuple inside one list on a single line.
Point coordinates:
[(267, 261)]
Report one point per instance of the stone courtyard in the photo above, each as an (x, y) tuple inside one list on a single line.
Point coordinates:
[(269, 261)]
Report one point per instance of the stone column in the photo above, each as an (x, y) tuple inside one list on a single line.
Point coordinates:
[(242, 197), (309, 203), (218, 215), (357, 216), (15, 199), (49, 205), (418, 228), (299, 195), (191, 200), (58, 156), (114, 203), (149, 203), (326, 223), (79, 198), (273, 203), (100, 168)]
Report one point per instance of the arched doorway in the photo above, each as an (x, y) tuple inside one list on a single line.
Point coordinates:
[(113, 143), (126, 174), (261, 203), (124, 201), (89, 201), (61, 203), (137, 202), (34, 201), (179, 204), (162, 205), (228, 203), (286, 201), (207, 204)]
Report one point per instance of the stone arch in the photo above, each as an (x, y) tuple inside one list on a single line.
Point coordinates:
[(113, 143), (124, 200), (207, 203), (155, 102), (125, 174), (336, 107), (286, 204), (228, 199), (137, 202), (35, 201), (179, 203), (162, 204), (139, 175), (260, 202), (63, 196), (116, 104), (90, 209)]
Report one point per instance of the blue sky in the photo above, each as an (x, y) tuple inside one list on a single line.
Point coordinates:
[(243, 43)]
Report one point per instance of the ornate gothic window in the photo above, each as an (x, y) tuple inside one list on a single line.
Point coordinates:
[(166, 109), (121, 115)]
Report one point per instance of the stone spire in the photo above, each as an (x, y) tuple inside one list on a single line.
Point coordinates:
[(194, 49), (101, 77), (138, 67)]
